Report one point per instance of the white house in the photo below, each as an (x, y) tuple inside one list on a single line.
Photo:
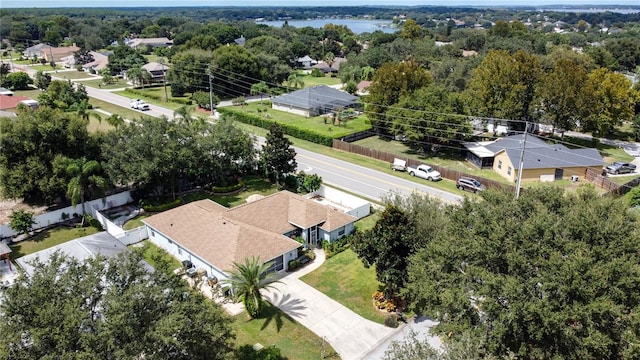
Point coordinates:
[(213, 237)]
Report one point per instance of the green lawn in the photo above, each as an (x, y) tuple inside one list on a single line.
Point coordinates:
[(135, 222), (325, 80), (153, 253), (95, 125), (274, 327), (368, 222), (74, 74), (98, 83), (48, 238), (345, 279), (623, 179), (317, 123), (32, 93), (115, 109), (47, 68), (154, 91), (254, 185)]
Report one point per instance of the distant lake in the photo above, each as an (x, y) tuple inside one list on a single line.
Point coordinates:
[(357, 26), (596, 10)]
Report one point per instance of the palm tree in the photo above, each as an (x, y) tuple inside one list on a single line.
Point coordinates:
[(83, 111), (259, 88), (84, 176), (115, 120), (247, 280), (138, 75), (295, 80), (184, 113), (329, 58), (367, 72)]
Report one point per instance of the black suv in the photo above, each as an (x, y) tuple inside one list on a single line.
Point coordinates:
[(470, 184)]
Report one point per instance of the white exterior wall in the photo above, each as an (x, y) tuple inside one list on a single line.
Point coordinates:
[(181, 254), (134, 236), (54, 217), (290, 110)]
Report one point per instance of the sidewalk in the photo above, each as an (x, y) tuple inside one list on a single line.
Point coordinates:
[(351, 335)]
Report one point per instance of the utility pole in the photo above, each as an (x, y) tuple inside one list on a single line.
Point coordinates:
[(164, 79), (210, 89), (524, 145)]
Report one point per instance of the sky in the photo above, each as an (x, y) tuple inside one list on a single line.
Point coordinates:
[(167, 3)]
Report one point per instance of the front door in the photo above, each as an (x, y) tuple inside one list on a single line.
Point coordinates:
[(313, 236)]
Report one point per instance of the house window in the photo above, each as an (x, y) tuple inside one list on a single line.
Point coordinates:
[(341, 231), (153, 234), (509, 170), (499, 164), (276, 264), (179, 250)]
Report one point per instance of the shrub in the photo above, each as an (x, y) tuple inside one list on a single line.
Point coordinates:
[(634, 197), (162, 207), (317, 73), (177, 90), (240, 100), (391, 321), (335, 247), (293, 264), (310, 254), (93, 222), (228, 189)]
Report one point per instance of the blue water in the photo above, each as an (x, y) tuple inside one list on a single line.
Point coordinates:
[(357, 26)]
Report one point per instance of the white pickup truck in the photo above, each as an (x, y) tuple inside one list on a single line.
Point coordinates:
[(139, 105), (425, 172)]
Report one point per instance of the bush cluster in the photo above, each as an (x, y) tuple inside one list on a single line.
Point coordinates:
[(391, 321), (335, 247), (300, 133), (162, 207), (228, 189)]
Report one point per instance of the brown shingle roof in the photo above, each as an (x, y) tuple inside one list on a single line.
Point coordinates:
[(202, 228)]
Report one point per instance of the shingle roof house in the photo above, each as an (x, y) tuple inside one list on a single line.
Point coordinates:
[(540, 158), (314, 101), (213, 237)]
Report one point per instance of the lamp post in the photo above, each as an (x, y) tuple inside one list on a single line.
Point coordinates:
[(164, 79)]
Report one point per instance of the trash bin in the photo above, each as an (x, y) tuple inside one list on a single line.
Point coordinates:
[(574, 178)]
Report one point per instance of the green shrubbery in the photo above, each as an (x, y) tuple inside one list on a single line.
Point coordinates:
[(335, 247), (228, 189), (304, 134), (162, 207)]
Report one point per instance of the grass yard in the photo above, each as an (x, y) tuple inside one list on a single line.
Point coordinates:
[(115, 109), (135, 222), (623, 179), (154, 91), (274, 327), (254, 185), (367, 223), (32, 93), (153, 254), (325, 80), (317, 123), (98, 83), (74, 74), (345, 279), (48, 238), (47, 68), (95, 125)]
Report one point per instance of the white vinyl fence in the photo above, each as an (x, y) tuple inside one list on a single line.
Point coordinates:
[(56, 216), (126, 237)]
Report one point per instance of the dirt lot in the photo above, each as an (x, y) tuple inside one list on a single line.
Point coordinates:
[(7, 206)]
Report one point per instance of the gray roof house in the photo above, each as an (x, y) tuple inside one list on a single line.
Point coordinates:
[(35, 50), (81, 249), (541, 160), (314, 101)]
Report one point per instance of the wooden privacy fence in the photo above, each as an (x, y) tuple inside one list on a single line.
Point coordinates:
[(611, 187), (388, 157)]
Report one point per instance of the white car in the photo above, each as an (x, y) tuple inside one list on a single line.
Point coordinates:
[(425, 172), (139, 105)]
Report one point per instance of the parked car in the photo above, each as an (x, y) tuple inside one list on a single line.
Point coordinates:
[(425, 172), (139, 105), (470, 184), (620, 167)]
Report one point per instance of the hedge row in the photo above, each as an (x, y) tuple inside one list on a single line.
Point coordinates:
[(228, 189), (162, 207), (304, 134), (158, 97)]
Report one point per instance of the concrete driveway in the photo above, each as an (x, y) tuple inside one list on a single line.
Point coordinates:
[(351, 335)]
